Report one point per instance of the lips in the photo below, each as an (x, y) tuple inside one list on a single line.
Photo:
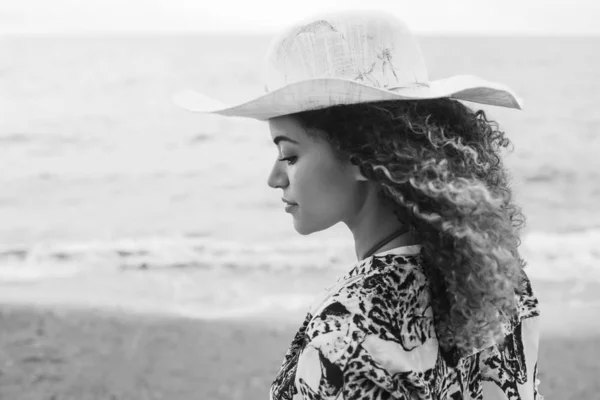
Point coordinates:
[(290, 208), (288, 202)]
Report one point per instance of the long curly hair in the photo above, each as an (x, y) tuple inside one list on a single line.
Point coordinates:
[(438, 161)]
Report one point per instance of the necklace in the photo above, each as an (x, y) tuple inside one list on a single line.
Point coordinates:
[(386, 240)]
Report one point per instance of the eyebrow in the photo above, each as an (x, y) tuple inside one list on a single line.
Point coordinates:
[(283, 138)]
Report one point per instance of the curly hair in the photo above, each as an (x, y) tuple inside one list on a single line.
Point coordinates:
[(438, 162)]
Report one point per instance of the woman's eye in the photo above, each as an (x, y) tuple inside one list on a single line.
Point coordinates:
[(291, 160)]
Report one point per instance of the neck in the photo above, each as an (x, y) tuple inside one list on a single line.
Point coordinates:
[(373, 221), (371, 231), (400, 237), (385, 241)]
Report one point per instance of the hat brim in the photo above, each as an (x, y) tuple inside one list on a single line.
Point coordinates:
[(326, 92)]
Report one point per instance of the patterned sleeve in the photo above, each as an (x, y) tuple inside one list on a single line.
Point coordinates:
[(359, 348)]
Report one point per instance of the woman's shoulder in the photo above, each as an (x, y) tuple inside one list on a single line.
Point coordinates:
[(390, 295), (387, 295), (394, 281), (377, 318)]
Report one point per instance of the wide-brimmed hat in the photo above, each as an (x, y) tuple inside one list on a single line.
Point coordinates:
[(347, 57)]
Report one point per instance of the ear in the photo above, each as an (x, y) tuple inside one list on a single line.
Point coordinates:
[(357, 174)]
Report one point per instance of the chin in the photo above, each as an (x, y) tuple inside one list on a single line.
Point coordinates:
[(302, 229), (306, 229)]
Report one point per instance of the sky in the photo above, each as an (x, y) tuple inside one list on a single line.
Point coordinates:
[(497, 17)]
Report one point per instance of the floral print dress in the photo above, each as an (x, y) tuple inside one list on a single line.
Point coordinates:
[(371, 336)]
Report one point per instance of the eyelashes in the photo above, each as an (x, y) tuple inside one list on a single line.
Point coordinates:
[(290, 160)]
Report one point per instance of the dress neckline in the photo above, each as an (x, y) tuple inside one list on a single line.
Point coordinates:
[(364, 266), (410, 249)]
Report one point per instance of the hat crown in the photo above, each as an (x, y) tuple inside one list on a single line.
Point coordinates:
[(368, 47)]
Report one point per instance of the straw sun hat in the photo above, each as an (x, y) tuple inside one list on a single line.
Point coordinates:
[(347, 57)]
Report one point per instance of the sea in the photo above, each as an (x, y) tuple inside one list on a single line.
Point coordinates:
[(112, 196)]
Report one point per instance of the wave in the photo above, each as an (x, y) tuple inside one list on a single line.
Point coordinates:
[(558, 257), (550, 256), (62, 259)]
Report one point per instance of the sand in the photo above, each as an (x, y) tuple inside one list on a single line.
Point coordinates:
[(97, 337), (58, 354)]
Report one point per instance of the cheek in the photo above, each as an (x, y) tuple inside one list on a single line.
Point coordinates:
[(323, 184)]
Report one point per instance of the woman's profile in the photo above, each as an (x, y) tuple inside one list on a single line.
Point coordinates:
[(438, 305)]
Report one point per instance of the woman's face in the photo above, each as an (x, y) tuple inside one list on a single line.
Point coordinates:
[(325, 190)]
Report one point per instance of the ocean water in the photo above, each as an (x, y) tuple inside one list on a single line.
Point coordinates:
[(101, 175)]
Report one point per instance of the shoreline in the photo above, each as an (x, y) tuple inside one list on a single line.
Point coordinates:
[(557, 320), (567, 309)]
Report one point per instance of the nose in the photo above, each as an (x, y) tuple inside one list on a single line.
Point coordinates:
[(277, 177)]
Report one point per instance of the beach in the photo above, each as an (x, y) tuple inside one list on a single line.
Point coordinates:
[(132, 348), (50, 353), (143, 255)]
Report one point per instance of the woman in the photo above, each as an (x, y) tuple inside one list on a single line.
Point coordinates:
[(438, 305)]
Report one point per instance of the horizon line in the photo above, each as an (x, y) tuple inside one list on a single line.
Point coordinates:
[(259, 33)]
